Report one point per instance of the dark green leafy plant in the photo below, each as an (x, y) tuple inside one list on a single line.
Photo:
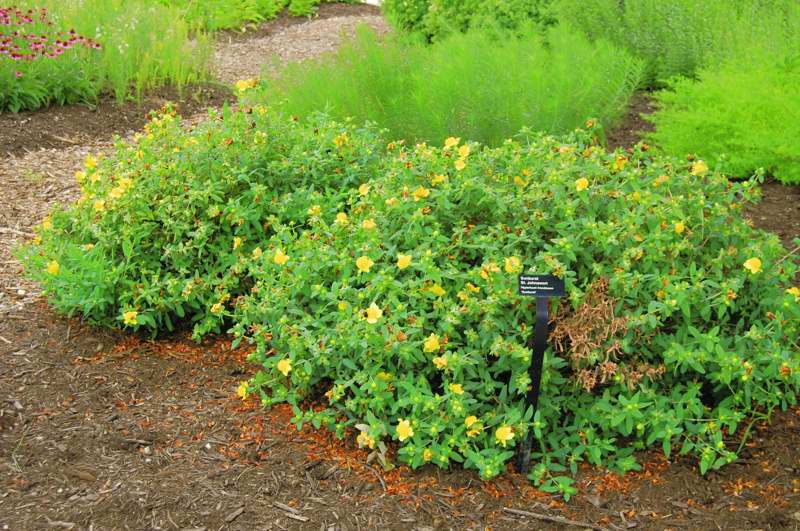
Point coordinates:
[(678, 37)]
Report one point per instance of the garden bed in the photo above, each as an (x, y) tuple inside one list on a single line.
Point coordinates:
[(114, 431)]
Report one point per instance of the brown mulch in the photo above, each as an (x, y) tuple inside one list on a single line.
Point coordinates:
[(100, 430)]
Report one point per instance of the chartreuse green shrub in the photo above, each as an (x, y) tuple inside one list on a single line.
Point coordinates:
[(678, 37), (462, 85), (399, 312), (91, 47), (737, 117), (163, 224), (437, 18)]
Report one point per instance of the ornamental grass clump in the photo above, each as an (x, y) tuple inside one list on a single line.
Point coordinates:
[(160, 232), (396, 318)]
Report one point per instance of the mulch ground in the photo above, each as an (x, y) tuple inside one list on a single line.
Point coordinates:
[(100, 430)]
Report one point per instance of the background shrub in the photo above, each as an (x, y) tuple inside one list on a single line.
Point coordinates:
[(677, 37), (740, 118), (397, 318), (163, 224), (462, 85), (436, 18)]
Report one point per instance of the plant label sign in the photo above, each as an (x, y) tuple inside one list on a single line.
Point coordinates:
[(542, 287)]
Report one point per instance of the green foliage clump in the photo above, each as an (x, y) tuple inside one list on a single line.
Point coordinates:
[(400, 314), (463, 85), (738, 117), (141, 46), (677, 37), (436, 18), (233, 14), (163, 224), (381, 281)]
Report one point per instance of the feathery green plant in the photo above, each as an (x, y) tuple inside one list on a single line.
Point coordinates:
[(463, 85)]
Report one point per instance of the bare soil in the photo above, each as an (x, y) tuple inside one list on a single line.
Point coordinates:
[(102, 430)]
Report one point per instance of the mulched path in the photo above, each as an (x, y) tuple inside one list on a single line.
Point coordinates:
[(100, 430)]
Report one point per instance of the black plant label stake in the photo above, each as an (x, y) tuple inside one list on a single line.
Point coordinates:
[(542, 287)]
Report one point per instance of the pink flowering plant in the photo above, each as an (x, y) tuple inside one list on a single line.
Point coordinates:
[(39, 64)]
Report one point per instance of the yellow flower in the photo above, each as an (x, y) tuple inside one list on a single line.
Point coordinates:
[(129, 318), (99, 205), (403, 261), (699, 168), (794, 291), (404, 430), (341, 218), (373, 313), (456, 388), (661, 179), (680, 227), (53, 267), (342, 306), (421, 193), (216, 308), (431, 344), (427, 455), (436, 179), (472, 287), (368, 224), (440, 362), (463, 151), (284, 366), (451, 141), (582, 184), (257, 252), (90, 162), (80, 176), (620, 163), (753, 265), (363, 189), (364, 264), (237, 241), (364, 440), (437, 290), (513, 264), (460, 164), (340, 140), (503, 435), (391, 201), (245, 84), (315, 210), (469, 421), (88, 247), (280, 257), (241, 391)]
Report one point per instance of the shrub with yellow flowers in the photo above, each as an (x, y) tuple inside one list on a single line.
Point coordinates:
[(165, 223), (381, 283), (678, 326)]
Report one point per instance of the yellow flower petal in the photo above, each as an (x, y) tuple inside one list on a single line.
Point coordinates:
[(53, 267), (460, 164), (451, 141), (753, 265), (129, 318), (582, 184), (280, 257), (404, 430), (503, 435), (364, 264), (368, 224), (403, 261), (431, 344), (241, 391), (284, 366), (374, 313)]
